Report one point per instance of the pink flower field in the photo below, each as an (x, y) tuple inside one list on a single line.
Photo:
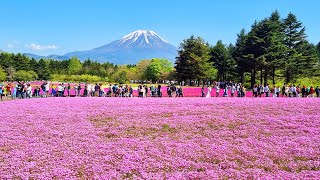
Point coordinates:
[(160, 138)]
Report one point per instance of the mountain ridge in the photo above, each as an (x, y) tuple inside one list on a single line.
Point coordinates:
[(130, 49)]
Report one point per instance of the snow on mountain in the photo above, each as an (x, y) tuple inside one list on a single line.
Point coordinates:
[(138, 39)]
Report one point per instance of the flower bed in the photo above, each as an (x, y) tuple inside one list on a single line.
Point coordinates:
[(153, 138)]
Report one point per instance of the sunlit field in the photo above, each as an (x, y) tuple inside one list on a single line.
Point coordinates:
[(160, 138)]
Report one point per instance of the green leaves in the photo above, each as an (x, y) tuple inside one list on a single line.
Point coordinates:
[(193, 61)]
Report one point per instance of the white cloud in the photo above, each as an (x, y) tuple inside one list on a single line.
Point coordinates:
[(10, 45), (39, 47), (13, 44)]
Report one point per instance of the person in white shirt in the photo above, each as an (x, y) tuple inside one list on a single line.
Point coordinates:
[(255, 91), (208, 92), (267, 90), (89, 88), (233, 90), (60, 90), (276, 91), (47, 88), (217, 90), (29, 91), (294, 91)]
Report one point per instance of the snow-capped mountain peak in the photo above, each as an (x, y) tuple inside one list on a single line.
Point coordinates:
[(146, 34)]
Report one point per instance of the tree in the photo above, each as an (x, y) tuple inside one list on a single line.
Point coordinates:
[(11, 71), (141, 68), (193, 62), (23, 75), (238, 55), (296, 43), (3, 74), (318, 51), (74, 66), (21, 62), (158, 69), (222, 60), (275, 49), (43, 70)]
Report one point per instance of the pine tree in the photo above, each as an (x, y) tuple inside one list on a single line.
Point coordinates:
[(298, 60), (193, 62), (238, 55), (222, 60)]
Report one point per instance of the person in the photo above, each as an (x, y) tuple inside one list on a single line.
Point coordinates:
[(217, 90), (311, 92), (277, 91), (307, 91), (284, 87), (159, 91), (109, 93), (169, 91), (68, 89), (208, 92), (14, 92), (43, 88), (303, 91), (85, 92), (255, 91), (47, 88), (317, 91), (173, 90), (89, 90), (29, 91), (53, 91), (233, 90), (79, 89), (294, 91), (130, 91), (115, 90), (225, 91), (93, 90), (1, 90), (180, 91), (146, 90), (9, 89), (298, 91), (36, 92), (202, 91), (243, 91), (267, 90), (60, 90), (153, 90)]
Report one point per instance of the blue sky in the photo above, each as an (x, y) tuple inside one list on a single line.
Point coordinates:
[(59, 26)]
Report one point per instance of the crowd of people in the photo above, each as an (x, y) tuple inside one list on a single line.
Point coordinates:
[(23, 90), (236, 89)]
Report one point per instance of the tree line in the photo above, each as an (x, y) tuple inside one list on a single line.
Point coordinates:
[(274, 50), (18, 67)]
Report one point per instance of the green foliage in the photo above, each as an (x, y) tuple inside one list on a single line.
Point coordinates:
[(193, 61), (42, 69), (3, 74), (222, 60), (121, 76), (74, 65), (158, 69), (77, 78), (23, 75)]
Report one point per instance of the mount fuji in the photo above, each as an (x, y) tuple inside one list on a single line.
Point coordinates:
[(130, 49)]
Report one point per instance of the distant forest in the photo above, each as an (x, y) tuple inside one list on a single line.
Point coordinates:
[(275, 50)]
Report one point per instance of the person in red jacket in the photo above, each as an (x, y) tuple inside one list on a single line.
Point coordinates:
[(311, 92)]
